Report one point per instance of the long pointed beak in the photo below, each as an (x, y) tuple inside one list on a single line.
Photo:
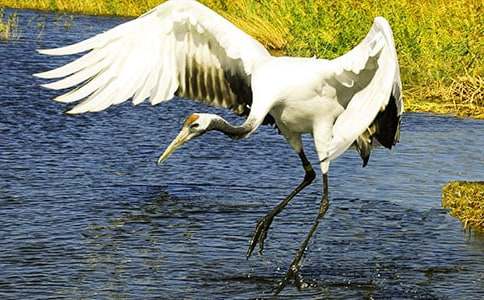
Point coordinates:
[(181, 138)]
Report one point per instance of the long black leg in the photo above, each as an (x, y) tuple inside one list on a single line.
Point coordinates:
[(293, 272), (264, 223)]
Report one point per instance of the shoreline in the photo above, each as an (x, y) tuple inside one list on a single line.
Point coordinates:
[(447, 94), (465, 201)]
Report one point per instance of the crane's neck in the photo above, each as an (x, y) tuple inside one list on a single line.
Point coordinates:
[(235, 132)]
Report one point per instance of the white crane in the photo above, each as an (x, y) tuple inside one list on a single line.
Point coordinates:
[(182, 48)]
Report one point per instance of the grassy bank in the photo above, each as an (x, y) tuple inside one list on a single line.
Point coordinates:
[(8, 26), (439, 42), (466, 202)]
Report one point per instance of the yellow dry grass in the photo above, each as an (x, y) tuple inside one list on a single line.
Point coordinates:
[(466, 202), (8, 26)]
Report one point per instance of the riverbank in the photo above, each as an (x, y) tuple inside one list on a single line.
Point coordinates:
[(437, 41), (466, 202)]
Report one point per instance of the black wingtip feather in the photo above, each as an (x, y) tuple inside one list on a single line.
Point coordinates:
[(385, 128), (387, 124)]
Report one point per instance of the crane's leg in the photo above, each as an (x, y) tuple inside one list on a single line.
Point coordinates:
[(293, 272), (264, 223)]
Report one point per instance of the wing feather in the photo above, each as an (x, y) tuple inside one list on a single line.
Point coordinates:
[(180, 48), (369, 80), (78, 77), (88, 59)]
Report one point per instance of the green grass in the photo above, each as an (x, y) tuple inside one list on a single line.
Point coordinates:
[(466, 202), (439, 42), (8, 26)]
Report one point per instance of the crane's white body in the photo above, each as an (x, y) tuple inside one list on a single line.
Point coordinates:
[(295, 107), (183, 48)]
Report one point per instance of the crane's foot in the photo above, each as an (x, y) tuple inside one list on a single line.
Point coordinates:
[(292, 274), (260, 234)]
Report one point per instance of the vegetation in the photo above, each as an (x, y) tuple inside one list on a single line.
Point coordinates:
[(8, 26), (466, 202), (439, 42)]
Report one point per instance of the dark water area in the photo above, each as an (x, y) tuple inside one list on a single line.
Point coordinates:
[(86, 214)]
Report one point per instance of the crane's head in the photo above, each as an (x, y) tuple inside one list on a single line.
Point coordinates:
[(195, 125)]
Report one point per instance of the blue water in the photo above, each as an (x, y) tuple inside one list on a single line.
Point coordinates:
[(86, 213)]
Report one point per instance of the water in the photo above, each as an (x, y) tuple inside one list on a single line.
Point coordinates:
[(86, 213)]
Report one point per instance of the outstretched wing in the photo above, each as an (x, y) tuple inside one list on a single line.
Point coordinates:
[(367, 80), (180, 48)]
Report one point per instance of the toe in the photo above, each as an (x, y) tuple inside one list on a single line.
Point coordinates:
[(259, 236)]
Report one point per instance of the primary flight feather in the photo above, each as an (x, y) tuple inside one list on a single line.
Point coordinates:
[(182, 48)]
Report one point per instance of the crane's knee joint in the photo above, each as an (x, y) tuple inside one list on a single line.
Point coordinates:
[(310, 174)]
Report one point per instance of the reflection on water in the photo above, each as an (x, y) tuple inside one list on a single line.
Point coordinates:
[(85, 212)]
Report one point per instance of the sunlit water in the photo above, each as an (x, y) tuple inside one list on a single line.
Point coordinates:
[(86, 213)]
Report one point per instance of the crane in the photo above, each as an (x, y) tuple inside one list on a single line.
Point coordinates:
[(184, 49)]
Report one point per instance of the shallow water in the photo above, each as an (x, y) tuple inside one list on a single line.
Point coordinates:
[(86, 213)]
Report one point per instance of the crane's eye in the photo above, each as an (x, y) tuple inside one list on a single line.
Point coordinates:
[(194, 125)]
